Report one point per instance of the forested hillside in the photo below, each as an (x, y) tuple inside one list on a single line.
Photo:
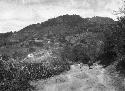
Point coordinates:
[(46, 49)]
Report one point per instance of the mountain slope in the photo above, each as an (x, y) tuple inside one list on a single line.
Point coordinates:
[(47, 49), (62, 29)]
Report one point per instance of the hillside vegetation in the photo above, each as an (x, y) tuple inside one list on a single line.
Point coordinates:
[(47, 49)]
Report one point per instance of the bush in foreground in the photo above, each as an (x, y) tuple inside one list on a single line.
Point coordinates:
[(16, 76)]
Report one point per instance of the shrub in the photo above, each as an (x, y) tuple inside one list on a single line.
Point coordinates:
[(80, 54), (120, 67), (107, 58), (16, 76)]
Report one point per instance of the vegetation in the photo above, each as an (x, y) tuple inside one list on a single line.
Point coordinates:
[(15, 76), (69, 39)]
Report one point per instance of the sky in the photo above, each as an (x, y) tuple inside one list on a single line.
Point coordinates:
[(17, 14)]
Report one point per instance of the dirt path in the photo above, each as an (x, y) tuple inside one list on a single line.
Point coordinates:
[(78, 79)]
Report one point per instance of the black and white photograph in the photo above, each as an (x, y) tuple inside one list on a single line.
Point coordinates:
[(62, 45)]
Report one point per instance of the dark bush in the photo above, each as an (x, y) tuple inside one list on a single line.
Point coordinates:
[(120, 67), (32, 49), (107, 58), (5, 57), (80, 54), (12, 78)]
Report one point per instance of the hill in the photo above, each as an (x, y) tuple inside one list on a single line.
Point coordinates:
[(43, 50), (62, 29)]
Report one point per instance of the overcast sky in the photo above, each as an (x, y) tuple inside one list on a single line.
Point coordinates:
[(16, 14)]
